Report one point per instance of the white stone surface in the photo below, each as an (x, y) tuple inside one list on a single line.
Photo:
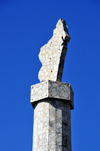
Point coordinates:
[(52, 99), (52, 89), (52, 54), (52, 126)]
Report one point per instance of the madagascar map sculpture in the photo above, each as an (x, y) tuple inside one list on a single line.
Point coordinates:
[(52, 55), (52, 99)]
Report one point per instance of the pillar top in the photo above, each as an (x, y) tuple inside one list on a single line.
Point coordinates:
[(52, 89), (52, 55)]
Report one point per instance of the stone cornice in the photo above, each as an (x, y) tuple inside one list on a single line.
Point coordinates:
[(52, 89)]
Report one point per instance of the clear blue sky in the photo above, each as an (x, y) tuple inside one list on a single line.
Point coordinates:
[(25, 26)]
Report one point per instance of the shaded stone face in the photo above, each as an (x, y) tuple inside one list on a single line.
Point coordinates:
[(52, 54), (52, 126)]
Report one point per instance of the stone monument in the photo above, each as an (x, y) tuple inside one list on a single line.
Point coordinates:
[(52, 99)]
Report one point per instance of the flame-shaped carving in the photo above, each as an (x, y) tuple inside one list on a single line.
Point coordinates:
[(52, 54)]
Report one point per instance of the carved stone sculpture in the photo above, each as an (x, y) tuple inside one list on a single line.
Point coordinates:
[(52, 54)]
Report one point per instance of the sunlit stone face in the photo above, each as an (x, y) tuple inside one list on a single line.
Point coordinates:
[(52, 54)]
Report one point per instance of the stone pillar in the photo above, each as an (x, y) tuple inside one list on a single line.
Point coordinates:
[(52, 103), (52, 99)]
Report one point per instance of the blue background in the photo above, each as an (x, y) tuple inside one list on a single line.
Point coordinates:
[(25, 26)]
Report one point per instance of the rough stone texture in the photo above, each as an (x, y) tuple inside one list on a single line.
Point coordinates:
[(52, 89), (52, 54), (52, 99), (52, 126)]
